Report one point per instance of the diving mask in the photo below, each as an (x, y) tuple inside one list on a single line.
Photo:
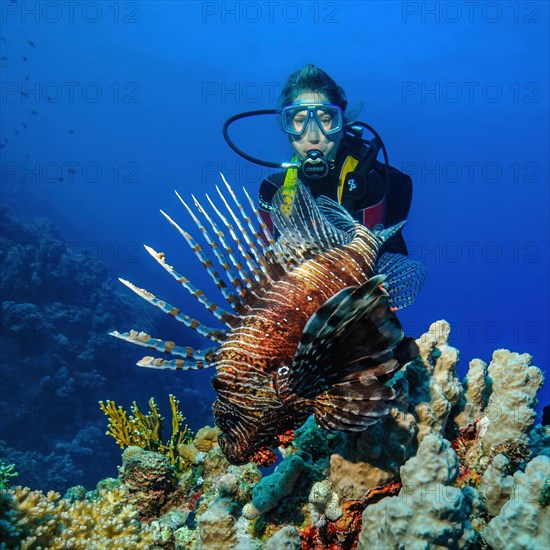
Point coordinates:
[(296, 118)]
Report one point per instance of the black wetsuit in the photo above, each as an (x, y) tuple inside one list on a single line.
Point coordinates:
[(364, 188)]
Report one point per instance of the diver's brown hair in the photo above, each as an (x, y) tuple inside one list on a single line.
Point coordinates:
[(312, 79)]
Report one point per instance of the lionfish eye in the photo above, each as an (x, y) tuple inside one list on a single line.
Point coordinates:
[(283, 371)]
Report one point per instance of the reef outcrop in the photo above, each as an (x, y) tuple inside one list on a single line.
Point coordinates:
[(457, 464)]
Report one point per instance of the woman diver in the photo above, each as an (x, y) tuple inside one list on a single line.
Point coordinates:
[(313, 110), (331, 157)]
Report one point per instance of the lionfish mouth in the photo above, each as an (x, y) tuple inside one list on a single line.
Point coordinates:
[(263, 456)]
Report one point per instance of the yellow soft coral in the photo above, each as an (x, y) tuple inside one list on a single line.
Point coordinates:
[(46, 521), (143, 430)]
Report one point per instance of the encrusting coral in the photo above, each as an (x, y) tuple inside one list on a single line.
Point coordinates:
[(443, 470)]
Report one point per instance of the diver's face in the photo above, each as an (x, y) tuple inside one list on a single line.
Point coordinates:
[(313, 137)]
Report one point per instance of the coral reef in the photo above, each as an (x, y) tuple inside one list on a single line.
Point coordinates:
[(524, 519), (58, 304), (39, 520), (144, 430), (428, 512), (455, 465)]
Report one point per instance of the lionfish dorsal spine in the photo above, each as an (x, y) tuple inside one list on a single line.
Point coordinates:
[(211, 333), (273, 255), (222, 315), (252, 266), (232, 299), (256, 243), (248, 285)]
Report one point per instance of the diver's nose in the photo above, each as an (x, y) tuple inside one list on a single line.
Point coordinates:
[(313, 133)]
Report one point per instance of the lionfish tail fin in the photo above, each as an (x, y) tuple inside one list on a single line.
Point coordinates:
[(355, 331), (353, 404)]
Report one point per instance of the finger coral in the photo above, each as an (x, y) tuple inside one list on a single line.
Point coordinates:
[(144, 430)]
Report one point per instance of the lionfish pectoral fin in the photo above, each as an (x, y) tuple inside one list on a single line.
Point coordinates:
[(404, 278), (353, 404), (354, 331)]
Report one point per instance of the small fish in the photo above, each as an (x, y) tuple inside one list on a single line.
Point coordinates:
[(33, 112), (31, 43), (71, 131), (25, 126), (25, 58), (312, 328)]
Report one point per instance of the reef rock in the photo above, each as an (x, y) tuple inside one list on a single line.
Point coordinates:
[(495, 485), (435, 387), (524, 520), (428, 512), (286, 538), (510, 411), (475, 394), (149, 479), (372, 458)]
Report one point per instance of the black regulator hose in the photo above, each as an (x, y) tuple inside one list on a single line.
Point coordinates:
[(240, 152)]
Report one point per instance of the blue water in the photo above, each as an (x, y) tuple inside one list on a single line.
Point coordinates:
[(108, 107)]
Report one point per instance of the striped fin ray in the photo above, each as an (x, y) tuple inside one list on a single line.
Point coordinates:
[(249, 260), (232, 299), (208, 332), (250, 285), (255, 245), (202, 359), (271, 252), (172, 364), (224, 316), (305, 230), (322, 230)]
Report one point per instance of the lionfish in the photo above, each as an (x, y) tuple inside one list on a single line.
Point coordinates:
[(312, 328)]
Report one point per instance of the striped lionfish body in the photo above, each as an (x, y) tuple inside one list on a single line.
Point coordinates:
[(313, 328)]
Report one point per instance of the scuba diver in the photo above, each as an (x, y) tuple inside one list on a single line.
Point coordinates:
[(331, 157)]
